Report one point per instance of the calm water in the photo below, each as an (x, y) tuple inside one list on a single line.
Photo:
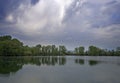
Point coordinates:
[(69, 69)]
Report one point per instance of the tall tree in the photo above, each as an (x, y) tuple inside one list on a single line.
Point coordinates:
[(93, 50), (76, 51), (81, 50), (9, 46), (117, 51)]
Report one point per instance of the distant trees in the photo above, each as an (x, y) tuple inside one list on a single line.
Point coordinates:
[(62, 50), (48, 50), (9, 46), (79, 50), (94, 51), (117, 51), (13, 47)]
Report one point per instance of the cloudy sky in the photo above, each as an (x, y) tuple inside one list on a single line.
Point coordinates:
[(68, 22)]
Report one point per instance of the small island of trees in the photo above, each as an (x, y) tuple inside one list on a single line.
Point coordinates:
[(13, 47)]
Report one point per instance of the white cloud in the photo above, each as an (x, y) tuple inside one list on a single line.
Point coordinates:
[(108, 32), (99, 1), (94, 21), (9, 18), (46, 16)]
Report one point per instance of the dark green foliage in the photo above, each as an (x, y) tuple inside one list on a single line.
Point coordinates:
[(79, 50), (10, 47), (13, 47), (117, 53), (62, 50), (4, 38), (95, 51)]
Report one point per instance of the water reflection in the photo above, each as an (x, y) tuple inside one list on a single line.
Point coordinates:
[(88, 62), (79, 61), (93, 62), (59, 69), (9, 65), (13, 64)]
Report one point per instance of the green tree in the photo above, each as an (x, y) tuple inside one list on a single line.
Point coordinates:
[(62, 50), (117, 53), (81, 50), (28, 51), (9, 46), (76, 51), (53, 49), (37, 50), (7, 37), (94, 51)]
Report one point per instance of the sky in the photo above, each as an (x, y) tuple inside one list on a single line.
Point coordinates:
[(71, 23)]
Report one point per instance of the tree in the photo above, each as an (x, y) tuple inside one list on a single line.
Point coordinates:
[(94, 51), (62, 50), (43, 50), (9, 46), (81, 50), (76, 51), (7, 37), (28, 51), (49, 50), (53, 49), (39, 49), (117, 53), (16, 47)]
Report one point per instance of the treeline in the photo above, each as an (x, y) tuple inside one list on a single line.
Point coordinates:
[(13, 47), (96, 51)]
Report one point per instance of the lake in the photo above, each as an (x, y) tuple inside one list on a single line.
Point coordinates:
[(60, 69)]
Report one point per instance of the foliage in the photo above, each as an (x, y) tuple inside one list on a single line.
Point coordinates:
[(13, 47), (9, 46), (79, 50)]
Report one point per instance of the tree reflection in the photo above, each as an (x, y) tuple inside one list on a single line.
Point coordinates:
[(79, 61), (7, 66), (86, 62), (93, 62), (13, 64)]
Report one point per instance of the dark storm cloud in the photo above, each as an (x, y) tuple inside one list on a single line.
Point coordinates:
[(34, 1), (113, 11), (7, 6)]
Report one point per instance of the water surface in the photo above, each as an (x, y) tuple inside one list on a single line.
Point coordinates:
[(69, 69)]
